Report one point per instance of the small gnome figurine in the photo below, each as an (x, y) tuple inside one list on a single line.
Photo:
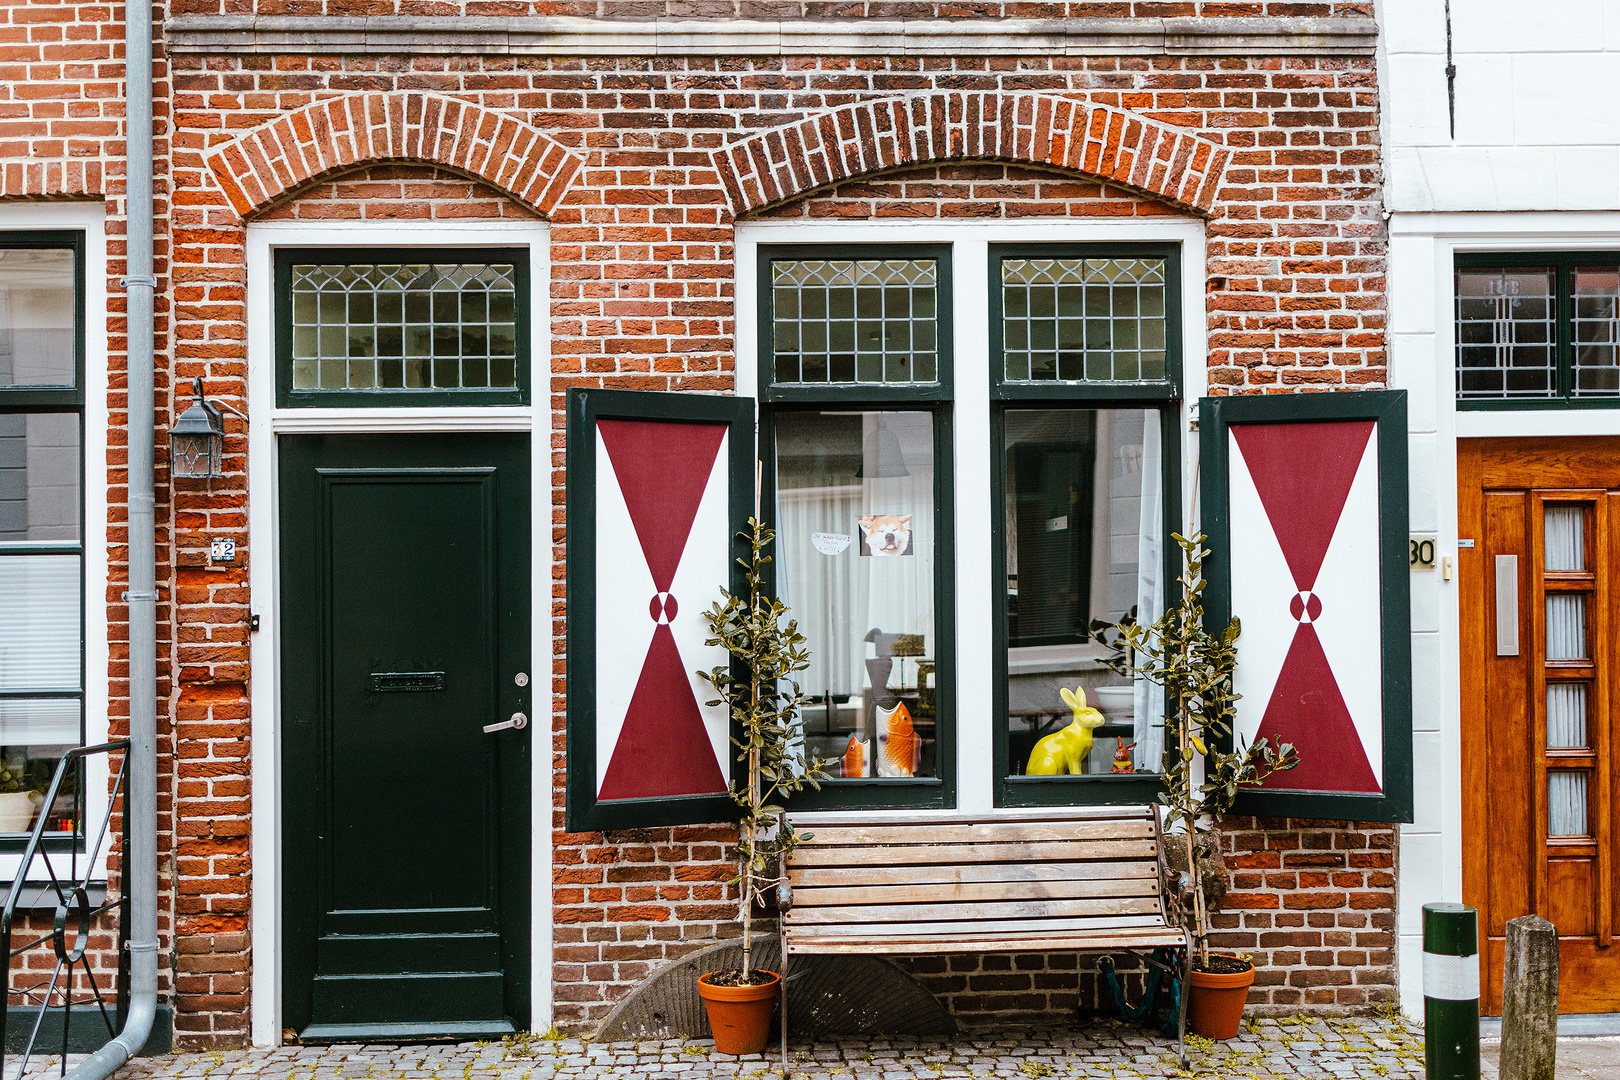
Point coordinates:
[(1122, 757)]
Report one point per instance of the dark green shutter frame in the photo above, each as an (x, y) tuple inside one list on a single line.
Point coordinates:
[(1305, 506), (668, 754)]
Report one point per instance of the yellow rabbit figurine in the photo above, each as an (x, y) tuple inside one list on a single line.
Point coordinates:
[(1066, 750)]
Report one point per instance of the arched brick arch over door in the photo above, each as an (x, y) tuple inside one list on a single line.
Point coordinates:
[(340, 133), (1158, 159)]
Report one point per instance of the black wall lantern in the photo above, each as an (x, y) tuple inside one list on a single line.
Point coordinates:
[(197, 440)]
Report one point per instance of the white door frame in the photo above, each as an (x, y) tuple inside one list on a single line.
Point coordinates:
[(265, 422)]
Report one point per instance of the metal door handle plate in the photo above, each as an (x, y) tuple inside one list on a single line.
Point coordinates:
[(517, 723)]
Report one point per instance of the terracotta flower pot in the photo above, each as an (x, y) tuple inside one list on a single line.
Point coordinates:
[(1215, 1009), (740, 1016)]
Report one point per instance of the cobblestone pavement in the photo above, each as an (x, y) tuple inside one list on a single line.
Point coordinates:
[(1267, 1049)]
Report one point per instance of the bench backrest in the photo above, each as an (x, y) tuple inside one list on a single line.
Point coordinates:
[(967, 885)]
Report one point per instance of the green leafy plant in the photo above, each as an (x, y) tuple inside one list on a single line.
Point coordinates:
[(1195, 666), (767, 650)]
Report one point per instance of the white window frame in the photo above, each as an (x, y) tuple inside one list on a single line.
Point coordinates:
[(975, 591), (89, 219), (265, 422)]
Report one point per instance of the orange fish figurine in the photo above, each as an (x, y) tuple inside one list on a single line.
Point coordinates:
[(899, 748), (855, 757)]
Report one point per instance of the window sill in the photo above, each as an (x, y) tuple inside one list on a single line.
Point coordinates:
[(39, 896)]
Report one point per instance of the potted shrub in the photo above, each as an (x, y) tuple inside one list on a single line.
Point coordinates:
[(767, 649), (22, 791), (1195, 667)]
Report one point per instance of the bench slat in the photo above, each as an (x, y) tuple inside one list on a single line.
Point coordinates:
[(985, 928), (1017, 909), (952, 893), (812, 855), (1035, 942), (1020, 833), (946, 873)]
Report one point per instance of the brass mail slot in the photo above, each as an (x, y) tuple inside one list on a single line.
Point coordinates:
[(400, 682)]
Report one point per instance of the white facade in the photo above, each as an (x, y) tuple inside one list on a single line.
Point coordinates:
[(1534, 165)]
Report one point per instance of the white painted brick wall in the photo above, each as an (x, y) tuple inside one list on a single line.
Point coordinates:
[(1536, 127)]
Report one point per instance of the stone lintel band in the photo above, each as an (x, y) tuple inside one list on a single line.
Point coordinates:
[(563, 36)]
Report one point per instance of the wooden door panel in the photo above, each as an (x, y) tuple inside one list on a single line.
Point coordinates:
[(1538, 725)]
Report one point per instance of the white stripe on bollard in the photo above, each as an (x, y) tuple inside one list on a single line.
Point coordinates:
[(1450, 978)]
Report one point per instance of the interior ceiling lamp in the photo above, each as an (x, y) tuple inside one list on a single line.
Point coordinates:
[(197, 440)]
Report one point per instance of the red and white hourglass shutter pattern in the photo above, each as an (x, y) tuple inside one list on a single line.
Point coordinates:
[(1305, 583), (662, 556)]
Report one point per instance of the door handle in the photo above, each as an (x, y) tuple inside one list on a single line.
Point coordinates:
[(517, 723)]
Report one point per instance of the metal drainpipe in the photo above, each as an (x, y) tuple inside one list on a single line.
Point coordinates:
[(140, 803)]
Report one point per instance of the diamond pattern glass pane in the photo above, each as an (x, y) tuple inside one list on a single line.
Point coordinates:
[(1566, 626), (865, 321), (1505, 337), (1566, 803), (418, 326), (1597, 331), (1091, 320), (37, 315), (1565, 538), (1566, 716)]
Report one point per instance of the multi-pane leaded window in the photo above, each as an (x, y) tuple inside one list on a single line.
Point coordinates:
[(862, 321), (1539, 328), (428, 327), (1074, 319), (41, 522)]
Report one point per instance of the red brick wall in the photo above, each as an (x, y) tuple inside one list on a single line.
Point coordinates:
[(1314, 903), (641, 250), (61, 137), (399, 192)]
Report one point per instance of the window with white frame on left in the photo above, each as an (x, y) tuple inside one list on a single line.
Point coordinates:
[(41, 523)]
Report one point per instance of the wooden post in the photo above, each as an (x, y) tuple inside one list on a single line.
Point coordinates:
[(1530, 1000)]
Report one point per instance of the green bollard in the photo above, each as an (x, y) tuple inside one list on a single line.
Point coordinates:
[(1451, 991)]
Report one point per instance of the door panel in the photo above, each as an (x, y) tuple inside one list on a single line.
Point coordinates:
[(405, 621), (1538, 716)]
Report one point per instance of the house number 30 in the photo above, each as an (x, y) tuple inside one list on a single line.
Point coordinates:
[(1423, 553)]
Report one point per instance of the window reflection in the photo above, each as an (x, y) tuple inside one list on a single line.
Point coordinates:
[(1083, 512), (856, 560)]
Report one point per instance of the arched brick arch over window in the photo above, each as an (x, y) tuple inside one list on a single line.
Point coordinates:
[(1159, 159), (339, 133)]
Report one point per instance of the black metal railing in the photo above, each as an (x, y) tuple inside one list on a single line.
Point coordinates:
[(76, 918)]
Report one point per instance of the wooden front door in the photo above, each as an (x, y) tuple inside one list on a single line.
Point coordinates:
[(405, 630), (1540, 613)]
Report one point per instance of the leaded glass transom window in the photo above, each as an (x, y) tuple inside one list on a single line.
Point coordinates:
[(1074, 319), (1538, 329), (423, 326), (857, 321)]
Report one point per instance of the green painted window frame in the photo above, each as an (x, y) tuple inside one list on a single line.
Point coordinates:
[(1387, 409), (1162, 395), (58, 399), (1563, 264), (287, 397), (937, 399)]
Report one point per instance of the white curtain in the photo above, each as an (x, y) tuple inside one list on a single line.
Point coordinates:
[(1149, 701)]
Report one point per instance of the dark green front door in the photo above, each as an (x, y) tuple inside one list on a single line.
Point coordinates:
[(405, 630)]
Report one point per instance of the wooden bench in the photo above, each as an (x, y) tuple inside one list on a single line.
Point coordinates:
[(1088, 882)]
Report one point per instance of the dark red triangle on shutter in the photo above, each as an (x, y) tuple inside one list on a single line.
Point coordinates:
[(1303, 473), (663, 748), (663, 469), (1307, 710)]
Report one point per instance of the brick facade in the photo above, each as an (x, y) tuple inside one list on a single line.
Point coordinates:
[(642, 167)]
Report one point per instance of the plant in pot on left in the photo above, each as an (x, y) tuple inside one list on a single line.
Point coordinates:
[(767, 650), (22, 790)]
